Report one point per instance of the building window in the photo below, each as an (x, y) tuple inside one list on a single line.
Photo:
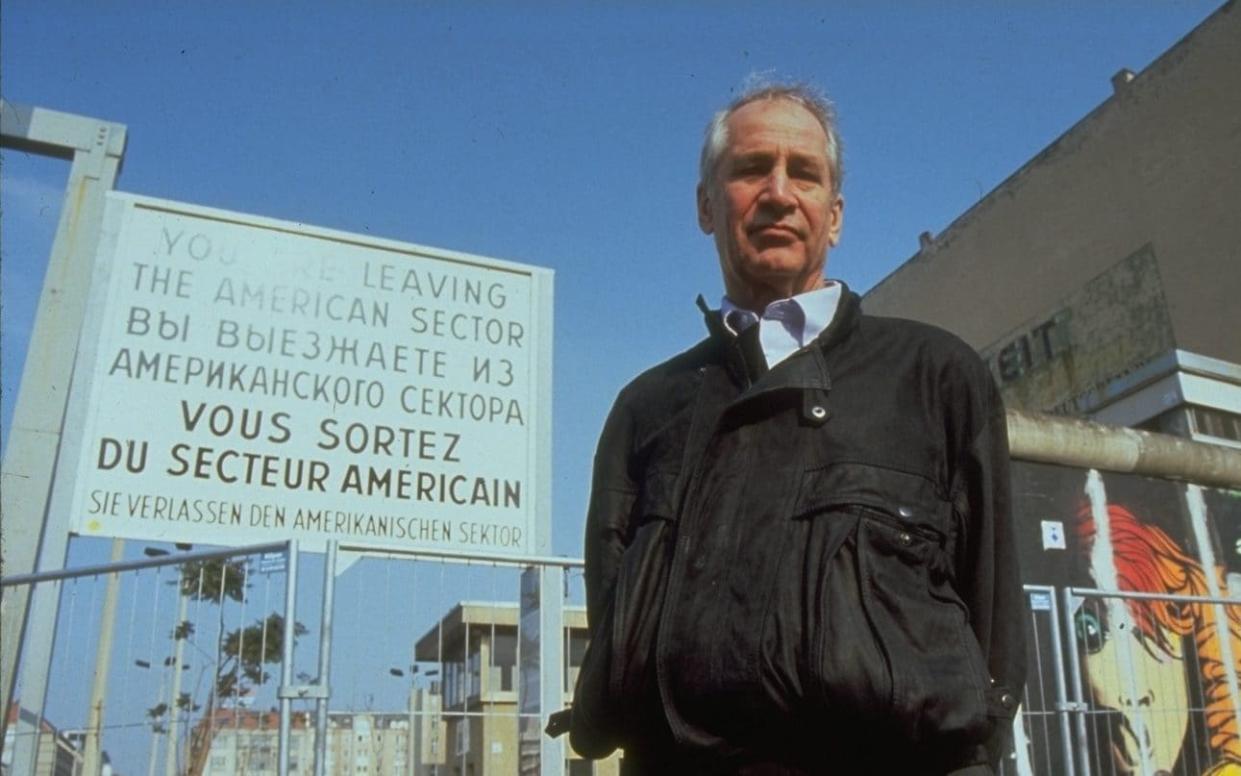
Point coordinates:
[(261, 757), (503, 661), (1217, 423), (474, 667), (463, 736), (454, 684), (1175, 422)]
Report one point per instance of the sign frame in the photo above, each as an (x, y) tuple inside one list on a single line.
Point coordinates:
[(123, 210)]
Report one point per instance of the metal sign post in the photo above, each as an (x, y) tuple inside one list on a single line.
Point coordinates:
[(236, 377), (95, 148)]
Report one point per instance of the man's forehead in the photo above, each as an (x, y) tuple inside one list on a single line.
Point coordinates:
[(779, 121)]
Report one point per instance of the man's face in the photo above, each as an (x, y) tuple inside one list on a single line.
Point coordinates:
[(771, 204)]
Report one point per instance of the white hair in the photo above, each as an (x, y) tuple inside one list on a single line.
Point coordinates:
[(806, 96)]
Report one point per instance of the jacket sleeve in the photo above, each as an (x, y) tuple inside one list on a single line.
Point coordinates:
[(987, 575), (612, 495)]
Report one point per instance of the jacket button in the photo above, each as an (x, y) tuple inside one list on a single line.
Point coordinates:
[(905, 538), (1008, 701), (817, 412)]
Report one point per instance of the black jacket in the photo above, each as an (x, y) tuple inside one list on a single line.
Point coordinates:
[(809, 568)]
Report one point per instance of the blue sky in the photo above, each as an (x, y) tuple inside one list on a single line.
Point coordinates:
[(564, 135), (553, 135)]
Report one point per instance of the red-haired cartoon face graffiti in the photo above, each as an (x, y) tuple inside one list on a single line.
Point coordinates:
[(1151, 702), (1144, 658)]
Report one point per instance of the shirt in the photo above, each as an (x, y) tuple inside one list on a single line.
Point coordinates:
[(786, 325)]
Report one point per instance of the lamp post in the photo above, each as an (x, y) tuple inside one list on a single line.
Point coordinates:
[(410, 750), (155, 731), (91, 760), (178, 635), (174, 704), (419, 699)]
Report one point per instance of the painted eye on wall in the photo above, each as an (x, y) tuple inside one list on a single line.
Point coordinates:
[(1091, 631)]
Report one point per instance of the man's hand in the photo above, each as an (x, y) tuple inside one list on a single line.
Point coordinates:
[(558, 723)]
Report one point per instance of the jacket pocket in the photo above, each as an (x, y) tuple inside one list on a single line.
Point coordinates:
[(617, 677), (938, 673), (891, 639)]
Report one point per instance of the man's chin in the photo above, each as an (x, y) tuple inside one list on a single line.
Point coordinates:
[(787, 257), (777, 264)]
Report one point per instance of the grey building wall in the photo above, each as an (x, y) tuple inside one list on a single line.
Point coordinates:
[(1142, 198)]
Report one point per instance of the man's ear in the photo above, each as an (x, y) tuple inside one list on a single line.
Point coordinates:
[(705, 222), (837, 216)]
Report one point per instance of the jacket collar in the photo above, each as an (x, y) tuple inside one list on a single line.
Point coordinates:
[(743, 356)]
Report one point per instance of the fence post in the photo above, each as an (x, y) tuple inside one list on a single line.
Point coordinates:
[(91, 760), (325, 658), (36, 537), (1062, 706), (551, 662), (1077, 704), (286, 658)]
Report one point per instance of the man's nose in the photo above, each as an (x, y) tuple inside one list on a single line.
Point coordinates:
[(778, 190)]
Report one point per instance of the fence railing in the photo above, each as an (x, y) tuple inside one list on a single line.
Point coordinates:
[(1127, 683), (437, 667), (436, 672), (132, 659)]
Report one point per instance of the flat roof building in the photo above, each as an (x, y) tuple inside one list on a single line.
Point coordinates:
[(477, 646), (56, 752)]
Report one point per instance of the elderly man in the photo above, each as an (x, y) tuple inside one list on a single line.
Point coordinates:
[(799, 556)]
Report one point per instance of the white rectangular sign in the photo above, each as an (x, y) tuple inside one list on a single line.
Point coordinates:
[(243, 380)]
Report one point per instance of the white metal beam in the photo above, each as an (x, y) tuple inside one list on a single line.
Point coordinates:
[(32, 538), (58, 134)]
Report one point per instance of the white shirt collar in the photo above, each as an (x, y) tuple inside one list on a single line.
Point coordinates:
[(786, 325)]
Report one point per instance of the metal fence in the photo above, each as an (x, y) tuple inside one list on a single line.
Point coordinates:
[(175, 664), (190, 669), (146, 654), (469, 652), (1156, 681), (1127, 683), (1041, 734)]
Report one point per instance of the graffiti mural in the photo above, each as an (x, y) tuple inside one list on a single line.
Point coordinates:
[(1155, 646)]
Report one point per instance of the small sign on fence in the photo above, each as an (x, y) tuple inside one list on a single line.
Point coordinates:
[(272, 563)]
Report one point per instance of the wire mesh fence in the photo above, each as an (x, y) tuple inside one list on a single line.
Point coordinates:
[(145, 659), (435, 670), (454, 688), (1156, 682), (1128, 683), (1041, 738)]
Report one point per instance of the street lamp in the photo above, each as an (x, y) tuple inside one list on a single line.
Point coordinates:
[(419, 699), (174, 716), (174, 708)]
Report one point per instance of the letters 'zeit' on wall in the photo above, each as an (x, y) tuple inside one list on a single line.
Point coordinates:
[(242, 379)]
